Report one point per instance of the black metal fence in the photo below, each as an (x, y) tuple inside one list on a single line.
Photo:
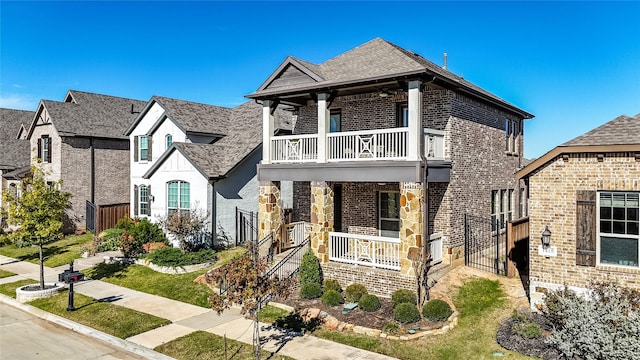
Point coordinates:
[(246, 227), (90, 216), (485, 244)]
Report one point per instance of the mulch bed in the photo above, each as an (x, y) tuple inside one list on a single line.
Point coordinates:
[(373, 320), (509, 339)]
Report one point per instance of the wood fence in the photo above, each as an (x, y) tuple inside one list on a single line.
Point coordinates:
[(108, 215), (517, 232)]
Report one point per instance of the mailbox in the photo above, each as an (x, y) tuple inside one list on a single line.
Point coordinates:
[(69, 276)]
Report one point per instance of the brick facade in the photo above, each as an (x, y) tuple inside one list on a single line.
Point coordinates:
[(377, 281), (553, 202)]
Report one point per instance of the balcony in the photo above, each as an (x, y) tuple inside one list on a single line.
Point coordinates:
[(358, 146), (380, 155)]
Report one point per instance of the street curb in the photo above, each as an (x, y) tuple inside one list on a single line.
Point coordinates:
[(85, 330)]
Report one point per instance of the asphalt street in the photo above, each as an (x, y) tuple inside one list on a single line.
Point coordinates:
[(24, 336)]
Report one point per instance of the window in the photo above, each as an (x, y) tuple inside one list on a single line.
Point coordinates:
[(178, 197), (403, 115), (335, 120), (389, 214), (143, 199), (143, 149), (618, 236), (511, 134), (44, 148), (169, 140), (501, 208)]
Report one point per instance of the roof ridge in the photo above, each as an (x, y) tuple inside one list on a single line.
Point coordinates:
[(111, 96)]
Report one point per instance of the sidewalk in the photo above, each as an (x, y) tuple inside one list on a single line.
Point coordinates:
[(186, 318)]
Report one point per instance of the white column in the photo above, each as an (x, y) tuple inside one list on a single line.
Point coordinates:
[(323, 127), (415, 120), (267, 131)]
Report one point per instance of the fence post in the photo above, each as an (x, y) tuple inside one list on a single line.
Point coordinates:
[(511, 268), (466, 242)]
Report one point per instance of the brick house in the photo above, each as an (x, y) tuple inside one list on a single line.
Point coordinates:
[(188, 155), (388, 153), (14, 149), (80, 141), (586, 191)]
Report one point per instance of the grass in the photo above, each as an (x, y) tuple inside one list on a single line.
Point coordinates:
[(202, 345), (482, 305), (176, 287), (57, 253), (109, 318), (4, 274), (269, 314), (9, 289)]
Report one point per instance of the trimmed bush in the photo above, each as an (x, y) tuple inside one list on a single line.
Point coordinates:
[(310, 271), (354, 292), (332, 298), (406, 313), (145, 231), (369, 302), (125, 223), (402, 296), (310, 291), (331, 284), (528, 330), (437, 310)]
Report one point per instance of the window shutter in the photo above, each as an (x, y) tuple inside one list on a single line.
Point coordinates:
[(149, 146), (50, 149), (40, 148), (149, 200), (586, 228), (135, 149), (135, 200)]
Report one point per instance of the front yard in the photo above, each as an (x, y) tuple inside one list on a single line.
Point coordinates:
[(55, 254)]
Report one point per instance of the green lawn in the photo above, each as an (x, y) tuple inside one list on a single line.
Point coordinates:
[(106, 317), (177, 287), (202, 345), (55, 254), (4, 274), (482, 306), (9, 289), (269, 314)]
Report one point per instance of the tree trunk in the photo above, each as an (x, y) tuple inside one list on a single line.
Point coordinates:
[(41, 268)]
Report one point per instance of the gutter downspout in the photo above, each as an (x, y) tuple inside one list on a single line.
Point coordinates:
[(426, 250), (93, 172), (213, 213)]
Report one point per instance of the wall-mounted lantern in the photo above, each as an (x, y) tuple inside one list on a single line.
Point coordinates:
[(546, 237)]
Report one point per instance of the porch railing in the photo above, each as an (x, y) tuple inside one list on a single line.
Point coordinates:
[(436, 248), (433, 144), (295, 233), (294, 148), (387, 144), (374, 251)]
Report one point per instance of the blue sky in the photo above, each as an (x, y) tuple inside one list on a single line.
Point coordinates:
[(575, 65)]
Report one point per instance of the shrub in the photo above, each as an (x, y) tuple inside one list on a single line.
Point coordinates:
[(310, 271), (189, 228), (173, 257), (110, 239), (145, 231), (391, 328), (310, 291), (129, 246), (331, 284), (402, 296), (91, 247), (436, 310), (406, 313), (354, 292), (604, 325), (528, 330), (332, 298), (125, 223), (369, 302), (153, 246)]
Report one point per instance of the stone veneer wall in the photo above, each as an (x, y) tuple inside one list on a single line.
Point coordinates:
[(552, 202), (270, 216), (411, 224), (321, 218), (378, 281)]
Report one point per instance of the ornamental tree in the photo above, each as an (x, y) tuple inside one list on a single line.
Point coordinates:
[(38, 212)]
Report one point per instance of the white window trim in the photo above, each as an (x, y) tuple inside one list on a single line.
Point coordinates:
[(623, 236), (178, 209), (140, 202), (146, 158)]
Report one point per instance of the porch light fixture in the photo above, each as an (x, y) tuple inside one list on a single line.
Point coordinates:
[(384, 93), (546, 237)]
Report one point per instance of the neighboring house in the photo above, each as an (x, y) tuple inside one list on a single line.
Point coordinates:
[(80, 141), (586, 192), (14, 149), (188, 156), (389, 153)]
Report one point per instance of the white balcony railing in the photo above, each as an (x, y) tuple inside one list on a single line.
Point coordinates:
[(383, 144), (436, 248), (368, 145), (294, 148), (374, 251), (433, 144)]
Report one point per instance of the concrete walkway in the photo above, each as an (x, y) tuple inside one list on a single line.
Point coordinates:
[(185, 318)]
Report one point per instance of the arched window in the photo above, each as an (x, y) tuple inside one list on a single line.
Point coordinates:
[(169, 140), (178, 197)]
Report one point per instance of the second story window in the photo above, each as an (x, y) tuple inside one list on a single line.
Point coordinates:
[(142, 148), (178, 197), (44, 148), (511, 135), (168, 140), (335, 120)]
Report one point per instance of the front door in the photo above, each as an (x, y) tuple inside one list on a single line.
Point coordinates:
[(337, 207)]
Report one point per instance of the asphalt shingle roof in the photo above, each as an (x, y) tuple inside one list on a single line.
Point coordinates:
[(623, 130), (196, 117), (11, 120), (14, 153), (243, 134), (93, 115)]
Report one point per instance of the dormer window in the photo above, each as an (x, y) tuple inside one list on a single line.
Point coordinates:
[(44, 148), (168, 140)]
